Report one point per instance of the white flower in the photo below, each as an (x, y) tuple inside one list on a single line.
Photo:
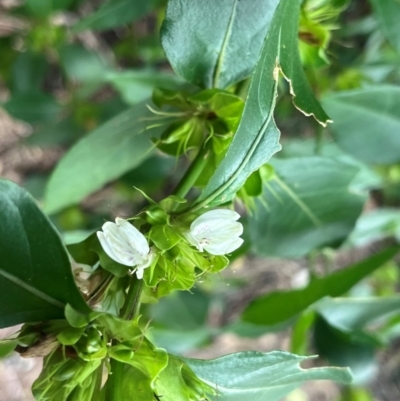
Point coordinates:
[(125, 244), (216, 231)]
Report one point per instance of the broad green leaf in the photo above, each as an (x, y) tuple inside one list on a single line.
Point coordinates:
[(279, 306), (113, 13), (388, 14), (376, 225), (367, 122), (215, 43), (256, 139), (42, 9), (181, 310), (182, 341), (87, 68), (33, 106), (136, 86), (355, 314), (102, 156), (260, 376), (366, 177), (36, 280), (309, 204), (343, 350), (28, 72)]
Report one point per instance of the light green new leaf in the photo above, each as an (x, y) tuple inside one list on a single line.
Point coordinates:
[(257, 137), (367, 122), (170, 384), (280, 306), (36, 280), (388, 13), (299, 211), (215, 43), (260, 376), (114, 13), (132, 384), (102, 156)]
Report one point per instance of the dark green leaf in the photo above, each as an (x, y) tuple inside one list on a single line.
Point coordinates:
[(215, 43), (35, 272), (113, 13), (341, 350), (388, 13), (102, 156), (282, 305), (41, 9), (367, 122), (309, 204), (28, 72), (260, 376), (33, 107), (181, 310), (256, 139)]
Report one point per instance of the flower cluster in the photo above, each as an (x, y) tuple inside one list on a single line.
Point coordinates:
[(217, 232)]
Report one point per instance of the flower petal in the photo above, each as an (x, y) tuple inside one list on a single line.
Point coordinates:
[(223, 248), (216, 214), (217, 231), (133, 236), (108, 249)]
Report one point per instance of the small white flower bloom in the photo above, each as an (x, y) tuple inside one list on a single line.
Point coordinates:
[(125, 244), (216, 231)]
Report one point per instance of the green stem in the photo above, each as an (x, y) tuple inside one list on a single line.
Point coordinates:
[(113, 385), (132, 301), (194, 171), (129, 310)]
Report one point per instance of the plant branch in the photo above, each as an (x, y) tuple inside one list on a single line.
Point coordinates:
[(194, 171), (132, 301)]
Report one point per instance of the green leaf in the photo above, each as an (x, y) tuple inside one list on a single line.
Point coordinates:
[(181, 310), (42, 9), (376, 225), (354, 314), (35, 271), (177, 382), (367, 122), (113, 13), (28, 72), (256, 139), (102, 156), (136, 86), (170, 384), (33, 106), (388, 14), (260, 376), (215, 43), (279, 306), (342, 350), (87, 68), (299, 212), (133, 384)]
